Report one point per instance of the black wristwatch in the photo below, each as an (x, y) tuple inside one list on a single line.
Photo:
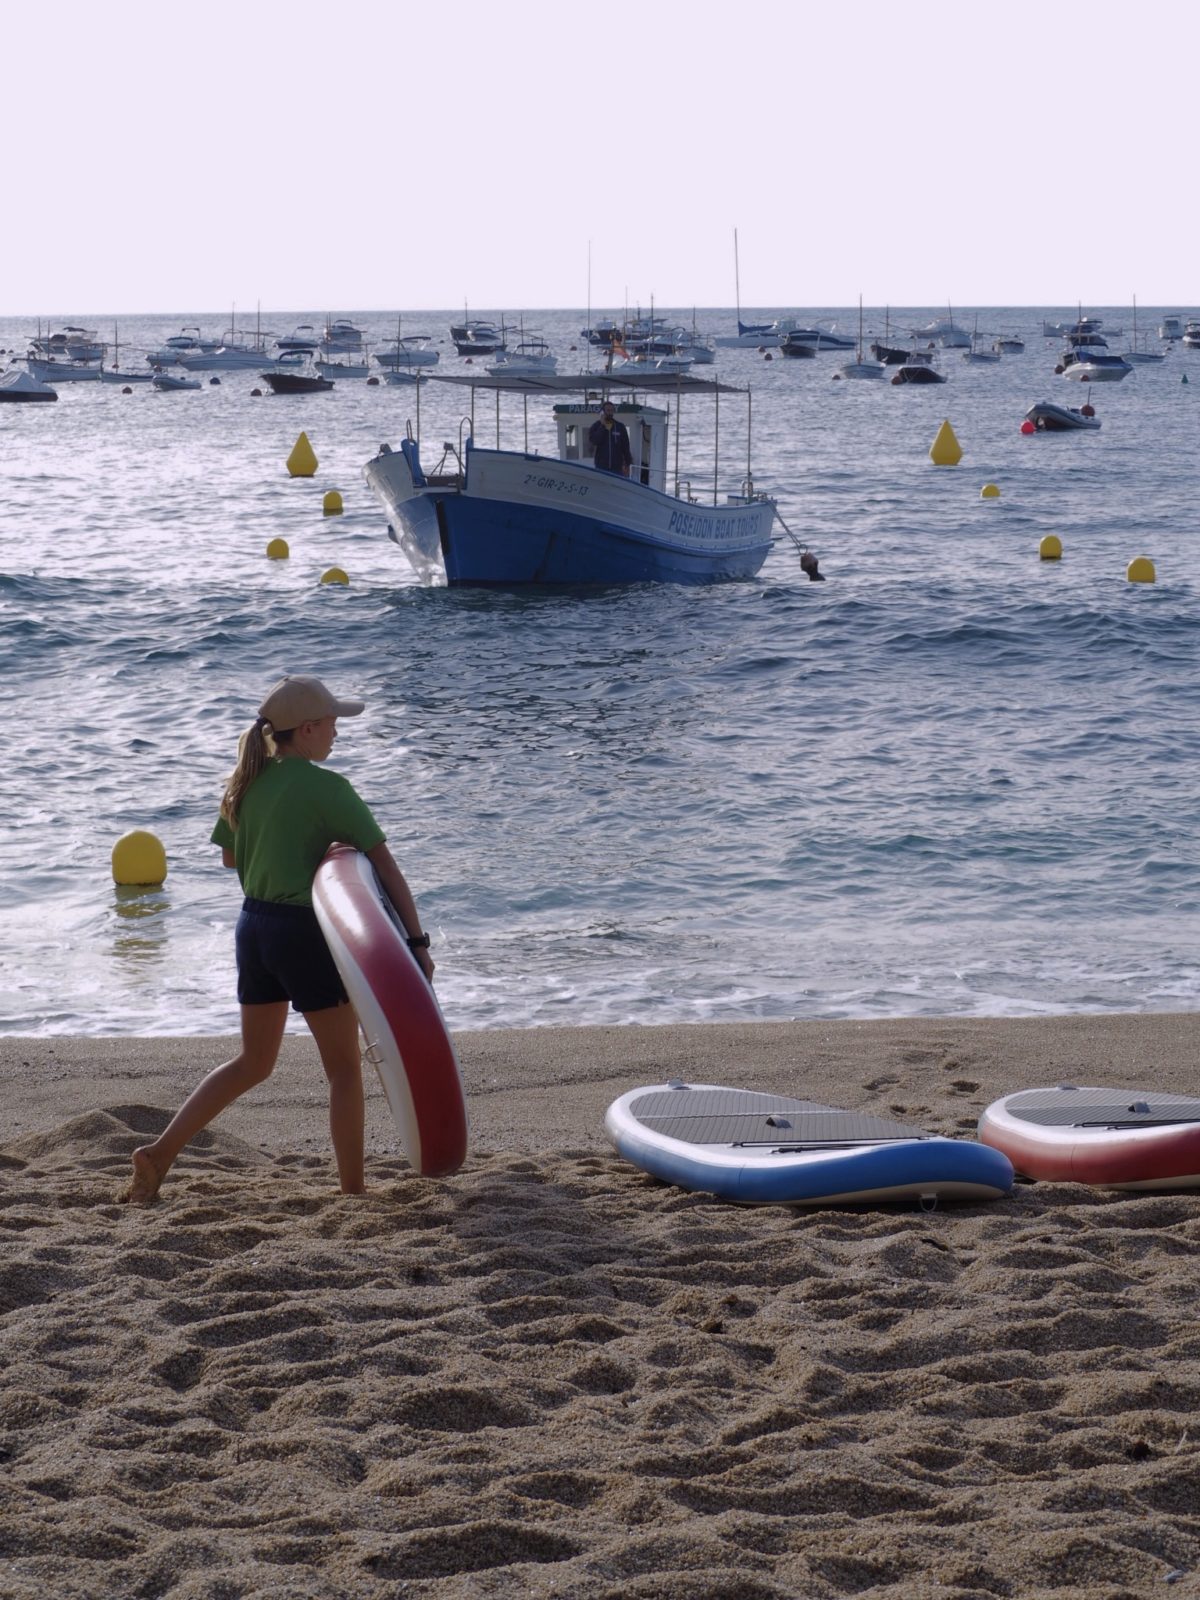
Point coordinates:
[(419, 941)]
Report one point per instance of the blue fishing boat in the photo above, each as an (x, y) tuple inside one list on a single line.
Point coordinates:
[(493, 516)]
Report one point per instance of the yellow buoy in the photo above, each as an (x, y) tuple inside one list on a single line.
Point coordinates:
[(1050, 548), (332, 503), (138, 857), (1140, 570), (302, 462), (945, 451), (334, 575), (278, 550), (990, 491)]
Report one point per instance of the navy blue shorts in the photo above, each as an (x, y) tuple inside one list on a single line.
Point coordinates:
[(282, 955)]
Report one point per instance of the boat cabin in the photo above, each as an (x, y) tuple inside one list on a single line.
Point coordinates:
[(647, 428)]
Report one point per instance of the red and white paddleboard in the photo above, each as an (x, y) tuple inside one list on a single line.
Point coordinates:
[(1117, 1138), (406, 1037)]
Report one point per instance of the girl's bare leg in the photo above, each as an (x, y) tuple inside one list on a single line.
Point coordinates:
[(262, 1034), (336, 1031)]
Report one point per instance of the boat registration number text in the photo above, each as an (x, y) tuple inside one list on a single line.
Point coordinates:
[(539, 480)]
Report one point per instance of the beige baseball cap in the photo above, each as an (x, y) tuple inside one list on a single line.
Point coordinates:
[(297, 699)]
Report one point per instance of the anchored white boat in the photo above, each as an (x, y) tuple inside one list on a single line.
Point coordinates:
[(340, 337), (531, 358), (61, 369), (413, 350), (169, 382), (860, 367)]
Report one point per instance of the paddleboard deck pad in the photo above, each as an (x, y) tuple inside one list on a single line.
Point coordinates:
[(406, 1038), (1116, 1138), (767, 1149)]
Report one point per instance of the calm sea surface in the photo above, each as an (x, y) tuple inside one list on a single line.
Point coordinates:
[(951, 779)]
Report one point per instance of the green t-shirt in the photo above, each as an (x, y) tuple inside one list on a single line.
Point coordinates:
[(290, 815)]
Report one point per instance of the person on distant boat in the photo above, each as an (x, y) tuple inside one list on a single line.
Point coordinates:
[(280, 813), (609, 439), (808, 564)]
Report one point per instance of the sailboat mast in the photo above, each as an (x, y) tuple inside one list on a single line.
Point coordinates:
[(737, 281)]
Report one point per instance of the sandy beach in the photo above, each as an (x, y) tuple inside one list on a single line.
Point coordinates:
[(550, 1375)]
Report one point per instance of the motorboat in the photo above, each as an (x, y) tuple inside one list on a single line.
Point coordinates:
[(478, 338), (237, 352), (170, 382), (1191, 335), (819, 338), (62, 369), (919, 368), (301, 338), (1094, 372), (340, 337), (514, 517), (1087, 365), (1048, 416), (290, 380), (1082, 325), (1171, 328), (17, 386), (754, 335), (187, 342), (946, 332), (798, 345), (529, 358), (413, 350), (398, 376), (71, 343), (672, 361), (892, 355), (1008, 344), (602, 332), (342, 368)]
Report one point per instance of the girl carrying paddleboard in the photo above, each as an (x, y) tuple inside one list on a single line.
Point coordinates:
[(280, 813)]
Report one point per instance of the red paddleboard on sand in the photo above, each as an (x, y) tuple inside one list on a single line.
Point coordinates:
[(406, 1037), (1117, 1138)]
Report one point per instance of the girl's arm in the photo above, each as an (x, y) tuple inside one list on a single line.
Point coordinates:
[(398, 892)]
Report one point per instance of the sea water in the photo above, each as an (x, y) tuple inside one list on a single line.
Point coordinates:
[(951, 779)]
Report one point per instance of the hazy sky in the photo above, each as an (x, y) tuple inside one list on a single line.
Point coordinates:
[(372, 154)]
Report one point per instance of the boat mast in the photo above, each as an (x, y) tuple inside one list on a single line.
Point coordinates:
[(716, 440), (588, 323), (737, 281)]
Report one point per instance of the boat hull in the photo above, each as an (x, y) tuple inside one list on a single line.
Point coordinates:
[(1048, 417), (518, 519)]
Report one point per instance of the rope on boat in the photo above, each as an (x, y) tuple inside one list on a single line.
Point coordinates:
[(801, 547)]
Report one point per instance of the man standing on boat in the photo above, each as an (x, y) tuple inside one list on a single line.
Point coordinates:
[(609, 440)]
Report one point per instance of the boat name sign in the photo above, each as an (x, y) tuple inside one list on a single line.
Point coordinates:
[(689, 524)]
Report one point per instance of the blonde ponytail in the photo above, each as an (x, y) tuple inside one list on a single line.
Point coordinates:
[(255, 749)]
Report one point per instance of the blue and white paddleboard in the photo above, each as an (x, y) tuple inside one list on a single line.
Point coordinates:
[(764, 1149)]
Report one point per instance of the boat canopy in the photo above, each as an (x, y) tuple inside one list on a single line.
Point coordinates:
[(575, 383)]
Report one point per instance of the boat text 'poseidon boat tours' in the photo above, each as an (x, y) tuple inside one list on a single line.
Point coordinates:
[(493, 516)]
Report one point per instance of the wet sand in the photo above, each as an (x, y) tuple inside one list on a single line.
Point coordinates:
[(552, 1376)]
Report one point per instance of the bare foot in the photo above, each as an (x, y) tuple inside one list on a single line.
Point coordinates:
[(142, 1188)]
